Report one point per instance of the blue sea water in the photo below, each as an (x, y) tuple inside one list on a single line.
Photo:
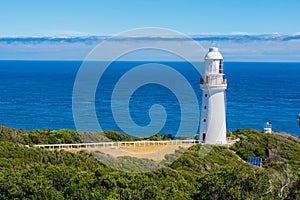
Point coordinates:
[(38, 94)]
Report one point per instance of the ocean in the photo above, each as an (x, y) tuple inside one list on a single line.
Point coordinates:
[(38, 95)]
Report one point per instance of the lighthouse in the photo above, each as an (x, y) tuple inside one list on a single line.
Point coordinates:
[(213, 113)]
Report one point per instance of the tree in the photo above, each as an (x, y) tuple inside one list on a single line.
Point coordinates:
[(156, 137)]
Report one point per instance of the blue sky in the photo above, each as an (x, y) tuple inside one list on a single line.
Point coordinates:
[(109, 17), (21, 20)]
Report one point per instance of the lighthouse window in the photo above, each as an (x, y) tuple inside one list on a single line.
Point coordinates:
[(220, 67), (204, 107), (204, 120), (205, 95)]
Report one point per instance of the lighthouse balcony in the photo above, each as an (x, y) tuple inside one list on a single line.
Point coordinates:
[(209, 81), (213, 84)]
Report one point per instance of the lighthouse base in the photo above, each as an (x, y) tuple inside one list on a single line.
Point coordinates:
[(213, 117)]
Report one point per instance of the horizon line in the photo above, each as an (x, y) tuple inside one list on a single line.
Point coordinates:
[(179, 61), (112, 35)]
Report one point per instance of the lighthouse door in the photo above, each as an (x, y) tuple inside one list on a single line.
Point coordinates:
[(203, 137)]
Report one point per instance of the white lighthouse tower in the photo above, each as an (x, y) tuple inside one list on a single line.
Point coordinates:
[(213, 85)]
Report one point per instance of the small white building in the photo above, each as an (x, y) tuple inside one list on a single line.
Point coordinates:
[(268, 127), (213, 113)]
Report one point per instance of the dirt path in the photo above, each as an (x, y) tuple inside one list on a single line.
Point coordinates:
[(156, 153)]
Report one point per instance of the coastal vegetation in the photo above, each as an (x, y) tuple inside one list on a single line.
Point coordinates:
[(29, 173)]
